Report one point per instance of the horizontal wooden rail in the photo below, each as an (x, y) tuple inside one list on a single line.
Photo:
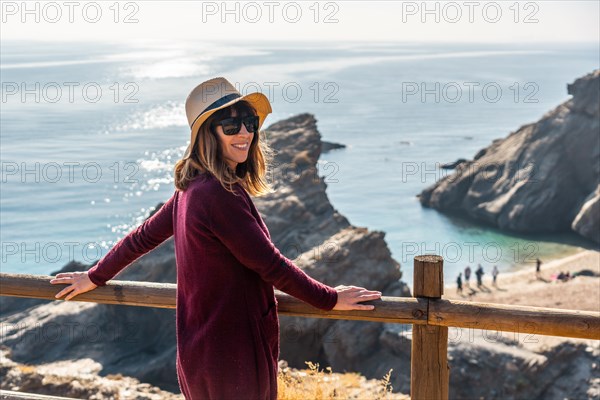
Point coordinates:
[(515, 318), (130, 293), (162, 295), (408, 310), (10, 395)]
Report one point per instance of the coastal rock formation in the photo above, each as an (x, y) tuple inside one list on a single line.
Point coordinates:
[(326, 147), (587, 221), (140, 342), (507, 365), (77, 379), (540, 178), (567, 370)]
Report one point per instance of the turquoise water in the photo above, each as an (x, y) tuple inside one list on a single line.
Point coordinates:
[(80, 169)]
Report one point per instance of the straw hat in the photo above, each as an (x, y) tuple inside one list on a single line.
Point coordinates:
[(213, 95)]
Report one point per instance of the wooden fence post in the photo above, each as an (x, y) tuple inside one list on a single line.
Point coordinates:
[(429, 373)]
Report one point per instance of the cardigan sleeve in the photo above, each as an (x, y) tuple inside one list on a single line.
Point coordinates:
[(233, 223), (136, 243)]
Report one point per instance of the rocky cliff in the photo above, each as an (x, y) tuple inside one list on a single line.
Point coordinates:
[(544, 177)]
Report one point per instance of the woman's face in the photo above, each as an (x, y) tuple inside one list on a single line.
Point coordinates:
[(235, 147)]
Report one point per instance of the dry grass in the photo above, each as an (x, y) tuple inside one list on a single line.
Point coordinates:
[(324, 384)]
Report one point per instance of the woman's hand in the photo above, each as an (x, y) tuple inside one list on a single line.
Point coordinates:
[(79, 282), (349, 296)]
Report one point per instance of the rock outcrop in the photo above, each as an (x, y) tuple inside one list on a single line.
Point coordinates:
[(77, 379), (508, 365), (540, 178), (587, 221)]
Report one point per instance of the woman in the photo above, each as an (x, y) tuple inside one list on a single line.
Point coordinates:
[(226, 317)]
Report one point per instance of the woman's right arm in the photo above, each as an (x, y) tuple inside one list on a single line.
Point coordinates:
[(233, 223), (138, 242), (147, 236)]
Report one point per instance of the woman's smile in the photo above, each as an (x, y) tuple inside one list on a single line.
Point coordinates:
[(242, 146)]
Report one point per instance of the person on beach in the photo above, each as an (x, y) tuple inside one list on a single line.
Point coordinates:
[(479, 273), (495, 273), (459, 284), (467, 276), (227, 327), (562, 276), (538, 268)]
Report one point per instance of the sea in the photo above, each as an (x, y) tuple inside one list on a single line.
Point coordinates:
[(90, 133)]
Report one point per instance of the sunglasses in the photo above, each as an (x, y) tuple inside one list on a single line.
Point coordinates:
[(232, 126)]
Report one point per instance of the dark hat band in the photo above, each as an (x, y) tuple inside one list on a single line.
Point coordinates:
[(216, 104)]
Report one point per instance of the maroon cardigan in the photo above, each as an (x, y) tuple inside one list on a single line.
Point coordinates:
[(226, 319)]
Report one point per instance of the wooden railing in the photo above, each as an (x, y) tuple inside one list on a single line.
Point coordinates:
[(12, 395), (429, 314)]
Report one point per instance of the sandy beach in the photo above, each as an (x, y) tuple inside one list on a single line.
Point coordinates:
[(522, 287)]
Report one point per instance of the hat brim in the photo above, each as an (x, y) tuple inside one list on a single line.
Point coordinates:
[(259, 101)]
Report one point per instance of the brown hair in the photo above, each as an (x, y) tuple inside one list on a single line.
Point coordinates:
[(206, 156)]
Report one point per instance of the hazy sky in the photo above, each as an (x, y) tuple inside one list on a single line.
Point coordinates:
[(414, 21)]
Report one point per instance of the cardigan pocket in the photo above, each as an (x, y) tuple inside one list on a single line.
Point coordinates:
[(269, 325)]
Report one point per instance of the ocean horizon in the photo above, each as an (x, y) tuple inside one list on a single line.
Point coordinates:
[(90, 135)]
